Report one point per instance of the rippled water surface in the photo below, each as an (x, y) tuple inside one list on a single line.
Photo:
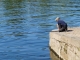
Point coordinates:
[(25, 26)]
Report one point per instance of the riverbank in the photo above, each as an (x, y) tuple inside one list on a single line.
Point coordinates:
[(66, 45)]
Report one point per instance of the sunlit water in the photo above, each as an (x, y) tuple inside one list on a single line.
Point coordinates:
[(25, 26)]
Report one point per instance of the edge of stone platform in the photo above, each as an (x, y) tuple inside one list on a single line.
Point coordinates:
[(55, 53)]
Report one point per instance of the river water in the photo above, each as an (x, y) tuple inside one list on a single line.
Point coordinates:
[(25, 26)]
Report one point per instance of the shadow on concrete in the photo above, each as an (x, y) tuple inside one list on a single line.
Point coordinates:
[(69, 30), (63, 31)]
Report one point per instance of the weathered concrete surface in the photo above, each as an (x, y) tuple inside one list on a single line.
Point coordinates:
[(66, 44)]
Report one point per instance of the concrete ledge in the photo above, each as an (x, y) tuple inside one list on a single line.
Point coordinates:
[(66, 44)]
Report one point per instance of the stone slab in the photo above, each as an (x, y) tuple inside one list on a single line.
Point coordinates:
[(66, 44)]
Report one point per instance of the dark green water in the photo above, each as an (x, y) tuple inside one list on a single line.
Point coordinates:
[(25, 26)]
